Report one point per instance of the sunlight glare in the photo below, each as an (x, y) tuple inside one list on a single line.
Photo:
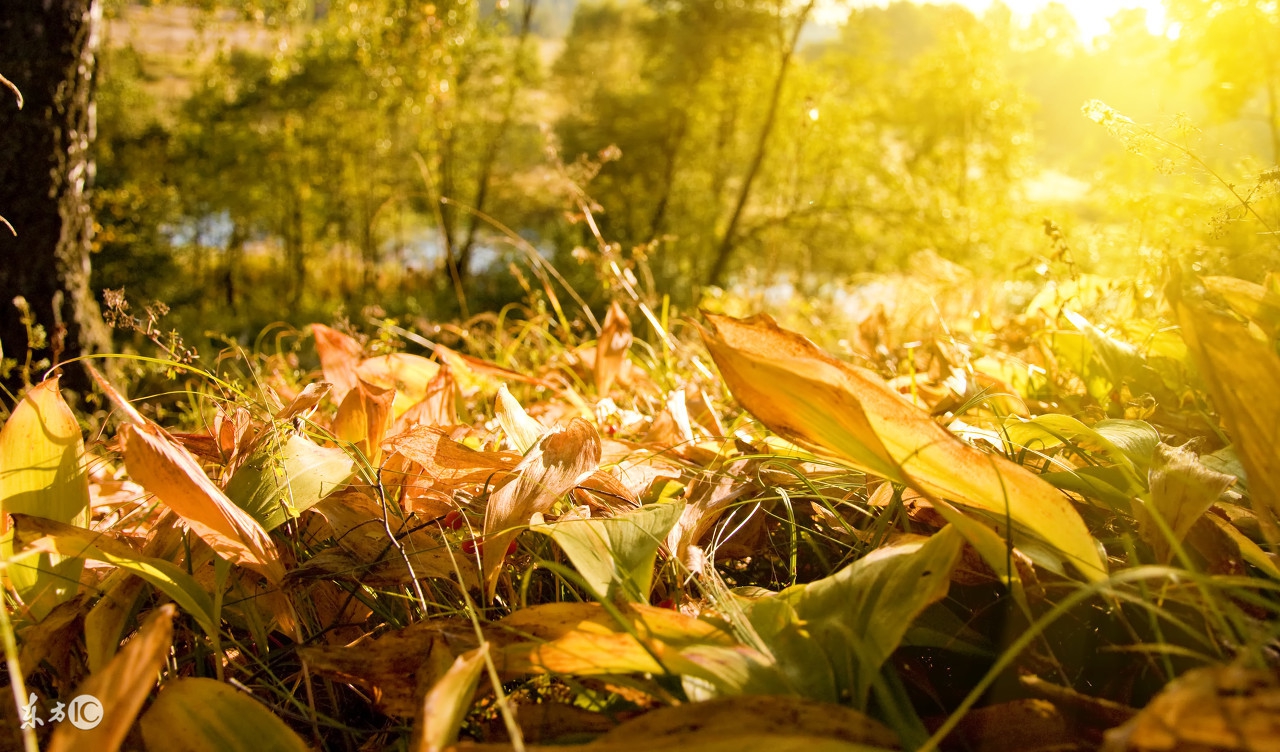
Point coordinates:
[(1091, 15)]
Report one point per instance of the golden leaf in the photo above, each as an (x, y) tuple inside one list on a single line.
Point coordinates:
[(831, 407), (559, 461)]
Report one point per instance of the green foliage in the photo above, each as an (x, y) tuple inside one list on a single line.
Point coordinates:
[(1035, 379)]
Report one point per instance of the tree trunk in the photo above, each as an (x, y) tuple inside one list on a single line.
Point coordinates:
[(48, 50), (728, 241), (516, 82)]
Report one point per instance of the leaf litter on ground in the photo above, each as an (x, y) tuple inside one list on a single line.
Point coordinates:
[(799, 552)]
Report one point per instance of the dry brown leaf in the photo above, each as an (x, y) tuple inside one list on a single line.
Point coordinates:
[(52, 640), (1015, 726), (584, 639), (611, 348), (755, 714), (121, 687), (520, 430), (561, 460), (104, 624), (305, 401), (809, 397), (357, 521), (364, 417), (445, 460), (410, 376), (1221, 708), (339, 615), (710, 497), (438, 409), (610, 488), (234, 435), (549, 722), (1182, 490), (446, 703), (700, 410), (395, 667), (339, 357), (476, 368), (128, 412), (790, 741), (551, 621), (174, 476)]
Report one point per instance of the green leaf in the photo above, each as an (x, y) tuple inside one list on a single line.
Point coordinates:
[(55, 537), (858, 616), (278, 483), (616, 555), (1110, 485), (1120, 361), (1128, 444), (42, 473), (205, 715)]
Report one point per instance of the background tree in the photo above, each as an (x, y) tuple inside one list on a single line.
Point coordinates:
[(48, 49), (1242, 41)]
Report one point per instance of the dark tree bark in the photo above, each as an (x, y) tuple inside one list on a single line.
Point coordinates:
[(48, 50)]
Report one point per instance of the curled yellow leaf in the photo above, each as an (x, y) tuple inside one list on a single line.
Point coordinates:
[(831, 407), (173, 475)]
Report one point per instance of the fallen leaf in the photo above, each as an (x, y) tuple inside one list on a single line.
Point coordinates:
[(1253, 301), (522, 431), (447, 702), (306, 401), (1181, 491), (339, 357), (447, 461), (42, 473), (357, 521), (1014, 726), (174, 476), (560, 461), (586, 639), (710, 497), (364, 417), (48, 641), (438, 408), (1234, 363), (204, 715), (409, 376), (809, 397), (168, 577), (759, 714), (393, 666), (1221, 708), (120, 688), (611, 347)]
